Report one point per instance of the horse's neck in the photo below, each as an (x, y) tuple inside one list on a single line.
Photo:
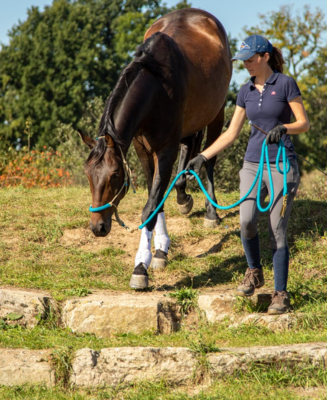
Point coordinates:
[(134, 109)]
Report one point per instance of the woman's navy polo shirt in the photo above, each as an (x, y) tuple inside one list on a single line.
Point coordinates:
[(266, 110)]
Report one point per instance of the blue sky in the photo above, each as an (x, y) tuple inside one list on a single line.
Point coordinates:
[(233, 14)]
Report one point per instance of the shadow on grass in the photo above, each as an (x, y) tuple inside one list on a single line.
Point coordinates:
[(203, 211), (216, 275), (219, 271), (217, 247), (198, 213)]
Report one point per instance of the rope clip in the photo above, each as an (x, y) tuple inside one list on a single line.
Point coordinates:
[(282, 212)]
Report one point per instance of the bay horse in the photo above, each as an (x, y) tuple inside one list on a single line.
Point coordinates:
[(174, 88)]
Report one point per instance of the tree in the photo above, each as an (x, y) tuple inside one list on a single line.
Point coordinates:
[(299, 36), (62, 57), (303, 44)]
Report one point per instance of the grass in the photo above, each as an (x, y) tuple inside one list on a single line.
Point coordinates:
[(185, 298), (34, 255)]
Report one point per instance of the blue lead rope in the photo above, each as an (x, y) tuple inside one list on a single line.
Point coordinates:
[(264, 154)]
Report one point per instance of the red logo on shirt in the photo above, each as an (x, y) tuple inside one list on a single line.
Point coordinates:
[(273, 93)]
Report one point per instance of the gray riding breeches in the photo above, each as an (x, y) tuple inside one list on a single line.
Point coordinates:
[(249, 211)]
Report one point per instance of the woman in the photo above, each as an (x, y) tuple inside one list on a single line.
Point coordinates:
[(268, 100)]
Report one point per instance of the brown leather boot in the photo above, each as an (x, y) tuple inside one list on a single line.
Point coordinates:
[(280, 303), (253, 279)]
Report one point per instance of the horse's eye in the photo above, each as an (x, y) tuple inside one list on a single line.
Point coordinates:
[(115, 176)]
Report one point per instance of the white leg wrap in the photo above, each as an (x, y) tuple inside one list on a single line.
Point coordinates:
[(144, 254), (161, 240)]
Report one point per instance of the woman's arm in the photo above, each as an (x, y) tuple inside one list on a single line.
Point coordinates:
[(220, 144), (301, 123), (229, 136)]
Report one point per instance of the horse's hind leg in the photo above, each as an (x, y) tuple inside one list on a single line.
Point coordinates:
[(214, 129), (190, 146)]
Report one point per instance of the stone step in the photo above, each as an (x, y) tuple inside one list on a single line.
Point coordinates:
[(234, 359), (21, 366), (115, 313), (108, 313), (218, 305), (125, 365), (110, 367), (25, 308), (113, 366)]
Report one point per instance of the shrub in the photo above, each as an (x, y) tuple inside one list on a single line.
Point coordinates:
[(34, 168)]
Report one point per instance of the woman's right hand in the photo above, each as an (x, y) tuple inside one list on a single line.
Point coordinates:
[(195, 164)]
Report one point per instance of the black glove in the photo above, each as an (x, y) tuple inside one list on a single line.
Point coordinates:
[(195, 164), (275, 134)]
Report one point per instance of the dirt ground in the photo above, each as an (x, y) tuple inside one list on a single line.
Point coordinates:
[(120, 238)]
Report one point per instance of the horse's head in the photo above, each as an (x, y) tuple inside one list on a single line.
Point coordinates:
[(105, 172)]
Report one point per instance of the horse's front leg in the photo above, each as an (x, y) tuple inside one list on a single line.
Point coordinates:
[(139, 278)]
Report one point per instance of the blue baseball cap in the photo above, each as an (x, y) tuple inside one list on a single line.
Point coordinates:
[(252, 45)]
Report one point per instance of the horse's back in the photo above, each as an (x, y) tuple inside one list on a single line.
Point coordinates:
[(204, 44)]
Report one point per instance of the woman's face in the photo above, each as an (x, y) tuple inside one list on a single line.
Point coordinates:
[(256, 64)]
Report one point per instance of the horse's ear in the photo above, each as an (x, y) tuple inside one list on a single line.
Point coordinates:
[(86, 139), (109, 140)]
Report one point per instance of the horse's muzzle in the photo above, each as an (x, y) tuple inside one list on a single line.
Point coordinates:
[(101, 229)]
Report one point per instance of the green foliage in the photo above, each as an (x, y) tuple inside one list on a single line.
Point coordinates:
[(230, 161), (14, 316), (247, 304), (79, 292), (202, 343), (72, 148), (62, 361), (298, 34), (62, 57), (185, 298)]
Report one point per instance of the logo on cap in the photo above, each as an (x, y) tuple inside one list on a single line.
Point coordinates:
[(244, 46)]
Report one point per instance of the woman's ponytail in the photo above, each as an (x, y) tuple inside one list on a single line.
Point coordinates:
[(276, 60)]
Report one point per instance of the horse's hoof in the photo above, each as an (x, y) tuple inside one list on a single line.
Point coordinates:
[(158, 263), (139, 278), (210, 223), (187, 207)]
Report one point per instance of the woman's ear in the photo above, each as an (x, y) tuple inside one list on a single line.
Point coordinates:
[(267, 57)]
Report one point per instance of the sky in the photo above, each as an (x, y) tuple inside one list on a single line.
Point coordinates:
[(233, 14)]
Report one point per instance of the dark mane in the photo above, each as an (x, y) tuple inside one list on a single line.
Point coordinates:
[(97, 153), (152, 55)]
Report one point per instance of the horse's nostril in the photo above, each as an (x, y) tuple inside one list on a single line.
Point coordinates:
[(102, 228)]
